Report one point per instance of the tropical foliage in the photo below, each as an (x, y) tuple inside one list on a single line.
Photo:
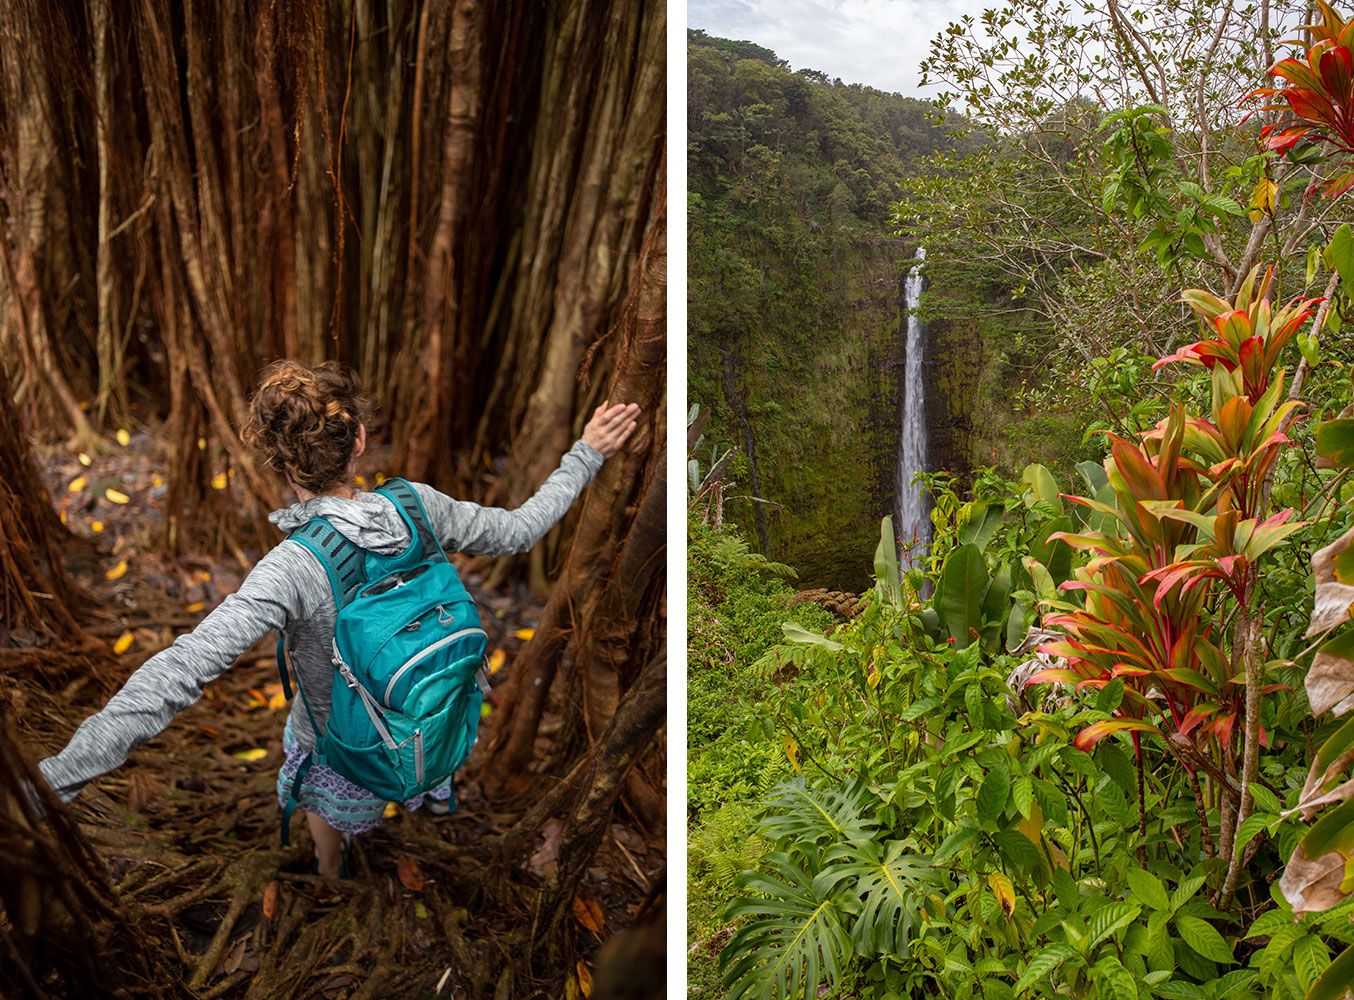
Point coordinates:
[(1097, 743)]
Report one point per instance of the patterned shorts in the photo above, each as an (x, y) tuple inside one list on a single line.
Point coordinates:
[(347, 807)]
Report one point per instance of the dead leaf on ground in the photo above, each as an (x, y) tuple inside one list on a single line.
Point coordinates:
[(410, 877), (546, 859), (588, 912), (270, 899), (584, 977)]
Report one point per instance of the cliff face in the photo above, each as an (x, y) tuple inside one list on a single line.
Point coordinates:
[(823, 420)]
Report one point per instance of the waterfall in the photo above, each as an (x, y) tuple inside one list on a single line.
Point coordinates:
[(913, 517)]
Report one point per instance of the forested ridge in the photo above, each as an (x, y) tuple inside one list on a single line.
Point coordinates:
[(794, 286), (1093, 740), (465, 203)]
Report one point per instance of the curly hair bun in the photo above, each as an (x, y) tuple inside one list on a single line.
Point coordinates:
[(304, 421)]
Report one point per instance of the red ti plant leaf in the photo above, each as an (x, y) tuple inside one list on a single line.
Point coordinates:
[(1097, 731)]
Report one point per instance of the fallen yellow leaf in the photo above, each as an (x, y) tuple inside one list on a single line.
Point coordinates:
[(201, 444), (157, 481), (496, 659), (115, 496), (62, 515), (123, 437), (361, 481), (195, 607), (420, 911), (524, 633), (380, 478), (123, 644), (392, 810), (77, 484), (485, 710), (219, 481), (96, 526), (85, 460), (258, 753), (117, 572), (588, 912), (584, 977), (277, 702)]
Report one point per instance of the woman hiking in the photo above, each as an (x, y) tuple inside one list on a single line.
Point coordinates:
[(309, 425)]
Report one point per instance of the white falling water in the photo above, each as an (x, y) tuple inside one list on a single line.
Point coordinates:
[(914, 521)]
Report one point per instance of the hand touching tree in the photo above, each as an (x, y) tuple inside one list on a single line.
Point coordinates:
[(610, 426)]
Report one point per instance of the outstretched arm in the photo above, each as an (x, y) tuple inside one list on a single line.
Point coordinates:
[(278, 590), (463, 526)]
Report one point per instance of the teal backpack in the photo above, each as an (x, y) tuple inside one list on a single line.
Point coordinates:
[(408, 651)]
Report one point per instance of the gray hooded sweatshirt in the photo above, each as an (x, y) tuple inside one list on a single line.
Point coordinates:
[(288, 591)]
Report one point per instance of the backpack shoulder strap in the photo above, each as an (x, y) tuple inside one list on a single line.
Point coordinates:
[(410, 506), (344, 562)]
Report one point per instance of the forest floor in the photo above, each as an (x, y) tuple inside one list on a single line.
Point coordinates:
[(189, 828)]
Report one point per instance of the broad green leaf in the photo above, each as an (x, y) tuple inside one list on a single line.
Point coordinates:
[(992, 794), (1042, 486), (959, 599), (799, 634), (1111, 917), (1041, 963), (1147, 888), (886, 572), (1310, 958), (1335, 441), (1340, 255), (1113, 980), (1334, 982), (1204, 938)]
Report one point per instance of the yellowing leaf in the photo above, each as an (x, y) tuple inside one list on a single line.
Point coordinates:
[(584, 978), (123, 644), (1032, 826), (219, 481), (195, 607), (391, 811), (420, 911), (1004, 891), (258, 753), (524, 633), (792, 752), (588, 912), (116, 496), (117, 572), (496, 659), (123, 437), (96, 526), (85, 460), (872, 678), (77, 484), (1262, 198)]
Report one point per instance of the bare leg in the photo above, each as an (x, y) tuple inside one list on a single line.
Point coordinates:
[(328, 845)]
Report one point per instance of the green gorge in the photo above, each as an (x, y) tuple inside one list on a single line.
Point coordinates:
[(1096, 740)]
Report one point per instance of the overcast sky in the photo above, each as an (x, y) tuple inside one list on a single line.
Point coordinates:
[(876, 42)]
